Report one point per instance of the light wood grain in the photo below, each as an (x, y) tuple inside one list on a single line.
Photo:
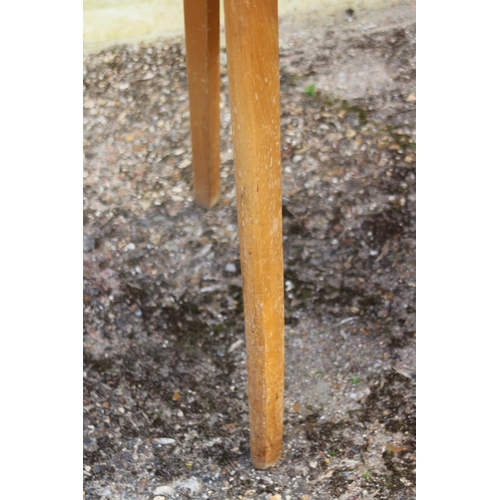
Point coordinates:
[(201, 19), (253, 72)]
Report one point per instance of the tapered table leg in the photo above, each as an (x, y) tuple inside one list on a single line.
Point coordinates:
[(253, 72), (201, 19)]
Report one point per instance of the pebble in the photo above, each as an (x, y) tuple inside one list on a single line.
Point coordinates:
[(235, 345), (163, 440), (205, 250), (106, 492), (190, 484), (230, 267), (89, 103), (184, 164), (164, 490), (88, 243)]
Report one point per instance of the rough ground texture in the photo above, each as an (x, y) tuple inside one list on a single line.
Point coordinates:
[(165, 402)]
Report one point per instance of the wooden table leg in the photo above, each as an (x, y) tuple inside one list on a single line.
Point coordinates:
[(253, 72), (201, 19)]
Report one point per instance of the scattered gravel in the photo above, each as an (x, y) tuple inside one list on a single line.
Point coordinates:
[(165, 401)]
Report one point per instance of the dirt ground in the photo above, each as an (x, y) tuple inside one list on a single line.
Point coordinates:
[(165, 400)]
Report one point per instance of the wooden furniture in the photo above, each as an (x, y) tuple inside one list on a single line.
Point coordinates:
[(253, 73)]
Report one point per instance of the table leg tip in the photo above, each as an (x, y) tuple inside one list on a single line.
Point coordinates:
[(206, 202), (266, 462)]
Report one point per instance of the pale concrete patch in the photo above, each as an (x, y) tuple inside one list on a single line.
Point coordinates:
[(358, 77), (113, 22)]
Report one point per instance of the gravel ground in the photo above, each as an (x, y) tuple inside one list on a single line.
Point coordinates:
[(165, 401)]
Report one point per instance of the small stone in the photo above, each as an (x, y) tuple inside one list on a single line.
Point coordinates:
[(155, 239), (334, 137), (297, 158), (190, 484), (235, 345), (159, 497), (128, 246), (411, 97), (350, 133), (277, 496), (313, 464), (89, 104), (145, 204), (164, 490), (106, 492), (230, 267), (163, 440), (184, 163), (88, 243)]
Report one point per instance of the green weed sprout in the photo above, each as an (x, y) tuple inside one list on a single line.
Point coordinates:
[(311, 90)]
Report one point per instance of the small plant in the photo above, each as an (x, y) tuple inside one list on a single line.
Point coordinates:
[(366, 475), (355, 379), (311, 90), (334, 453)]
